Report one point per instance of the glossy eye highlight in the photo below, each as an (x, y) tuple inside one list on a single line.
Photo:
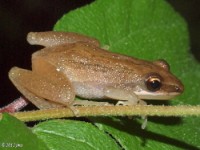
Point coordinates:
[(153, 83)]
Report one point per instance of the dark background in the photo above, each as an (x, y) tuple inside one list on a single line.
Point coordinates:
[(19, 17)]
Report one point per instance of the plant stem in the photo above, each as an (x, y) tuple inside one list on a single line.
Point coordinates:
[(80, 111), (15, 106)]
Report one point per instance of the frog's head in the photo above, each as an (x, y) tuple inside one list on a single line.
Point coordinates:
[(159, 83)]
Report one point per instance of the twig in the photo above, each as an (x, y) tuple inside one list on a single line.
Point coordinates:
[(80, 111), (15, 106)]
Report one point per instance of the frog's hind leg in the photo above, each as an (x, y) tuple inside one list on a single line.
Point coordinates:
[(15, 77), (44, 82), (52, 38)]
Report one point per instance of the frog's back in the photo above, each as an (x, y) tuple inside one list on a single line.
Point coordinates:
[(83, 62)]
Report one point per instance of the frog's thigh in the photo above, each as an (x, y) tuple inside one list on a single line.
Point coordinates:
[(125, 97), (42, 86), (14, 75), (52, 38), (63, 91)]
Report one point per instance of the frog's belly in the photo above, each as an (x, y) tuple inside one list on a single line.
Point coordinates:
[(89, 90)]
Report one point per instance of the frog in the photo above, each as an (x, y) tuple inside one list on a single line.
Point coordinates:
[(73, 65)]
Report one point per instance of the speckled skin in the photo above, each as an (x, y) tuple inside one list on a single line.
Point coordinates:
[(81, 68)]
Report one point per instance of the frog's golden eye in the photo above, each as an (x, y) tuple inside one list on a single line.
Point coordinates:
[(153, 83)]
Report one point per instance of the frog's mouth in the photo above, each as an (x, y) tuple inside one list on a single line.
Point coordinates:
[(166, 92), (156, 96)]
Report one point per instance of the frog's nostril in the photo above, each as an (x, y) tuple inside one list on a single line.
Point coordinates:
[(179, 89)]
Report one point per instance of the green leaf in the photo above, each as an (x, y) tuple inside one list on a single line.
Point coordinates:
[(15, 135), (147, 29), (160, 133), (73, 135)]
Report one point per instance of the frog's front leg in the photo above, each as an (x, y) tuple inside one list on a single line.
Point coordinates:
[(52, 38), (124, 96)]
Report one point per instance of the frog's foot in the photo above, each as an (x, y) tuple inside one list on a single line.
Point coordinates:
[(144, 124), (128, 103), (85, 103), (144, 118), (126, 98)]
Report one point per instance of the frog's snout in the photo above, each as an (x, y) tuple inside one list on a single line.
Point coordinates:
[(179, 88), (175, 88)]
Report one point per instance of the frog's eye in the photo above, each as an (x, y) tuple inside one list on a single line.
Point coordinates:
[(153, 83)]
